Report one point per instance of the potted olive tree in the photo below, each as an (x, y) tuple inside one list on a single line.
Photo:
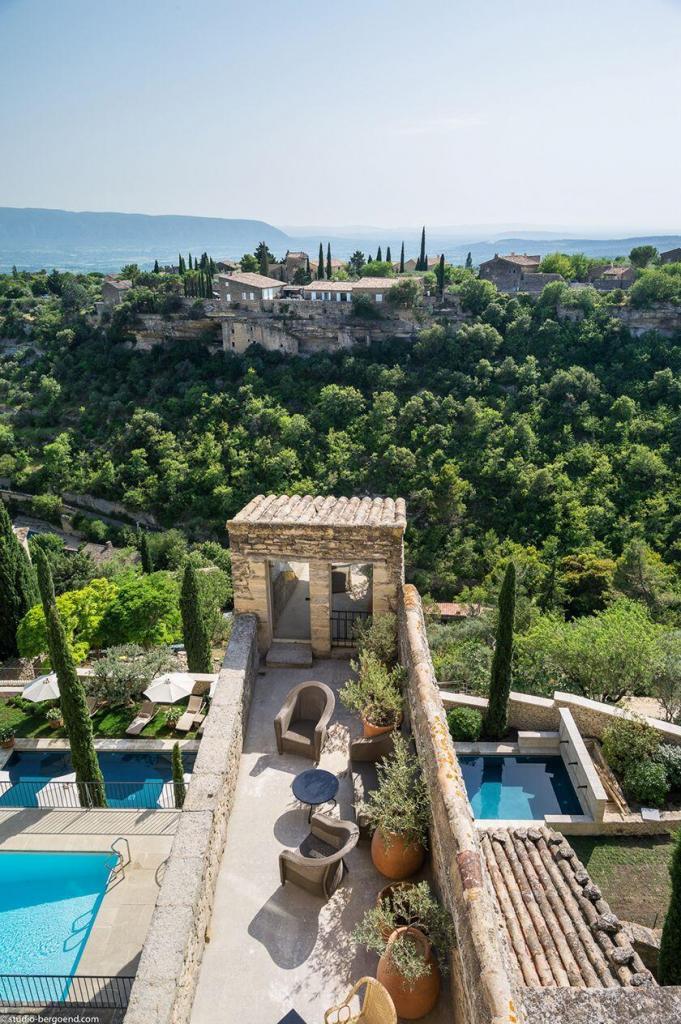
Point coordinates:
[(399, 811), (412, 935), (374, 694), (54, 716)]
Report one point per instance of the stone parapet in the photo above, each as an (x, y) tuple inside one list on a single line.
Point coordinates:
[(166, 979), (484, 981), (603, 1006)]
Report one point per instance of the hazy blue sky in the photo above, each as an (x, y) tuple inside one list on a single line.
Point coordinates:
[(386, 112)]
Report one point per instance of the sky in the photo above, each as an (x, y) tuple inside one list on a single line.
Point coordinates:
[(523, 113)]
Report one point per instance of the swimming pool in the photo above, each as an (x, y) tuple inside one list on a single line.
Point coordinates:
[(33, 778), (48, 904), (517, 787)]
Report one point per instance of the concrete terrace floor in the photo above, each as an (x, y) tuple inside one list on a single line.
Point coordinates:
[(273, 949)]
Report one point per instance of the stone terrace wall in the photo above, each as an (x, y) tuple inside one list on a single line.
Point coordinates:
[(164, 988), (525, 711), (603, 1006), (483, 981)]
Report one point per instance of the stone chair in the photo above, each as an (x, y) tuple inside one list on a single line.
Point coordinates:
[(318, 864), (364, 753), (301, 725)]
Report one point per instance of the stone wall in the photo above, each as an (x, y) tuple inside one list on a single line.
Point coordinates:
[(483, 980), (603, 1006), (168, 972), (663, 318), (158, 329)]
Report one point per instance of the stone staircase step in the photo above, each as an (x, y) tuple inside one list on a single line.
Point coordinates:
[(285, 655)]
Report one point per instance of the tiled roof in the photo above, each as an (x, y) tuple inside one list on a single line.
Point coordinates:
[(115, 283), (560, 929), (297, 255), (456, 610), (306, 510), (329, 286), (615, 271), (522, 259), (253, 280), (375, 283)]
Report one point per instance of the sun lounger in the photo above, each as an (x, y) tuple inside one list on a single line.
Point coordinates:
[(142, 718), (192, 716)]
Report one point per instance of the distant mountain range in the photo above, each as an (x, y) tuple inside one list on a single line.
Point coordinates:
[(35, 238)]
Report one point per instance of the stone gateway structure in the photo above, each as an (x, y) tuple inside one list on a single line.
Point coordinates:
[(311, 567)]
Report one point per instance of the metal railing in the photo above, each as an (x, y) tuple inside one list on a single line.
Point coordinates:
[(52, 793), (344, 625), (38, 990)]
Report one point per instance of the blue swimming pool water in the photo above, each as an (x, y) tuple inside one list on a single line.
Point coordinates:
[(133, 779), (518, 787), (48, 904)]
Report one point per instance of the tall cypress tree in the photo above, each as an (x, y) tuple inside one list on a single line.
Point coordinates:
[(423, 261), (145, 553), (500, 682), (402, 259), (191, 267), (469, 261), (328, 261), (72, 696), (441, 275), (157, 269), (194, 625), (669, 964), (179, 787), (18, 591), (388, 257), (379, 255), (320, 268)]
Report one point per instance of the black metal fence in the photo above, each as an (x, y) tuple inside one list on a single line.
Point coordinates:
[(38, 990), (344, 627), (51, 793)]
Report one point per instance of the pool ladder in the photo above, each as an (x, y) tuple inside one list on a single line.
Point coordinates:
[(123, 859)]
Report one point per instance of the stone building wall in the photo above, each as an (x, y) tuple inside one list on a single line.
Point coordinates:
[(168, 971), (484, 982)]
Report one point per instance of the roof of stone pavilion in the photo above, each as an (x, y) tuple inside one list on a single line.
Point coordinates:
[(561, 931), (306, 510)]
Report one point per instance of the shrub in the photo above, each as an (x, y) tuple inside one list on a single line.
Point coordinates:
[(375, 693), (400, 803), (629, 741), (464, 724), (646, 782), (6, 734), (669, 756), (173, 716), (378, 636), (123, 672)]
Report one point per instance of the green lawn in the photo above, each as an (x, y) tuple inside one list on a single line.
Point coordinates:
[(28, 721), (633, 874)]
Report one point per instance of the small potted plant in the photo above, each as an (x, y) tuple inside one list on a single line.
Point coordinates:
[(374, 694), (399, 811), (54, 717), (412, 934), (7, 738), (173, 716)]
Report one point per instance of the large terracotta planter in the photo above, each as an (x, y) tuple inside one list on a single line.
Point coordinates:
[(385, 897), (7, 744), (416, 999), (397, 858), (369, 729)]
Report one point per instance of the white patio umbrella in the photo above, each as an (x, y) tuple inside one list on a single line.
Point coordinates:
[(168, 688), (43, 688)]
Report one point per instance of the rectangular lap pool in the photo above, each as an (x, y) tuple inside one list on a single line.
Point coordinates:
[(515, 787), (44, 778), (48, 904)]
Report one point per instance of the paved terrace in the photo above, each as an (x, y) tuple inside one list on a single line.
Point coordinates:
[(274, 948)]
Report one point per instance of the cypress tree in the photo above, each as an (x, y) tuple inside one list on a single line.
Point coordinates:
[(72, 696), (320, 268), (145, 553), (328, 261), (423, 261), (388, 257), (179, 787), (441, 274), (669, 964), (500, 682), (190, 262), (180, 261), (402, 259), (157, 269), (379, 255), (194, 626), (469, 261), (18, 591)]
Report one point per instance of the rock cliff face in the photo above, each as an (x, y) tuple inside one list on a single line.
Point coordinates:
[(155, 329), (664, 318)]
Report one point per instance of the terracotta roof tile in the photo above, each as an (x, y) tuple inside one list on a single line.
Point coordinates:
[(307, 510)]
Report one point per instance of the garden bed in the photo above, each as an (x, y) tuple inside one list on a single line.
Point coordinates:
[(29, 722)]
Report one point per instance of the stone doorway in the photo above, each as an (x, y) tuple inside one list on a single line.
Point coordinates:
[(351, 599), (290, 597)]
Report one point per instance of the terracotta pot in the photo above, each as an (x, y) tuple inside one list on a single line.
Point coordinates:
[(416, 999), (385, 896), (7, 744), (398, 858), (369, 729), (56, 723)]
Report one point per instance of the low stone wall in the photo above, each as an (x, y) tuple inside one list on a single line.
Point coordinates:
[(526, 711), (168, 972), (483, 980), (603, 1006), (580, 766)]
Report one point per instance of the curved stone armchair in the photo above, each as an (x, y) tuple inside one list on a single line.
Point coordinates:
[(318, 864), (301, 725)]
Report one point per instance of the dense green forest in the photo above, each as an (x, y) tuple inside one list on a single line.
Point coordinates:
[(563, 438)]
